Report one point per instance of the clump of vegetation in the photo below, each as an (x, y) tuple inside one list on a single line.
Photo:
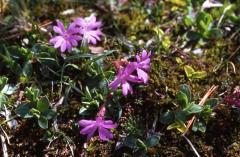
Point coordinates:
[(119, 78)]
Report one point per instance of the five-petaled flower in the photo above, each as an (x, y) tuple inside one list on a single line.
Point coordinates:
[(89, 28), (123, 77), (67, 38), (103, 126)]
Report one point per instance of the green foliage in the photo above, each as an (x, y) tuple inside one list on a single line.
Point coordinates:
[(37, 107), (140, 147), (171, 29), (177, 119), (5, 90), (192, 74), (91, 101)]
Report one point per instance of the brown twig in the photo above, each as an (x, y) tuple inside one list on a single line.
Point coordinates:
[(201, 103)]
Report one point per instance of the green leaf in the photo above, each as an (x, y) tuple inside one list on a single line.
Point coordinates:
[(130, 141), (140, 144), (152, 140), (186, 90), (167, 117), (43, 104), (24, 110), (193, 36), (3, 82), (73, 65), (199, 74), (182, 99), (188, 71), (179, 125), (198, 125), (27, 69), (205, 113), (32, 94), (9, 90), (193, 108), (181, 116), (215, 33), (159, 32), (204, 21), (180, 3), (211, 102), (49, 114), (187, 21), (3, 100), (43, 122)]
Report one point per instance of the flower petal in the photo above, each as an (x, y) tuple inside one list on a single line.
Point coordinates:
[(109, 124), (142, 75), (60, 25), (105, 134), (125, 88), (59, 43), (63, 46), (89, 130), (85, 123), (115, 83), (57, 30), (55, 39)]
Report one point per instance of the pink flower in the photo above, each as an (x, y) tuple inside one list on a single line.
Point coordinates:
[(89, 28), (103, 126), (143, 65), (128, 74), (67, 38), (123, 78)]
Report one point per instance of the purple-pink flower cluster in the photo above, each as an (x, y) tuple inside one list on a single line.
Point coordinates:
[(133, 72), (87, 29)]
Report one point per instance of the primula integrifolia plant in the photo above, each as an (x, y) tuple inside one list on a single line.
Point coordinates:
[(103, 126), (133, 72), (67, 38), (87, 29)]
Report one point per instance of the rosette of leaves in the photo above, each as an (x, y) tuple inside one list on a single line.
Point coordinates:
[(177, 119), (36, 106)]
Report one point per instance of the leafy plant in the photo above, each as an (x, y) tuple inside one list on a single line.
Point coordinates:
[(91, 101), (141, 147), (36, 107), (192, 74), (177, 119)]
